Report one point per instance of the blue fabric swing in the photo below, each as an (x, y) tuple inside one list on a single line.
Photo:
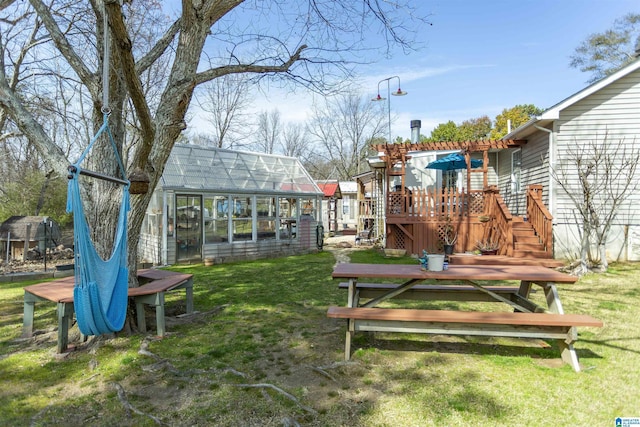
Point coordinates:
[(100, 292)]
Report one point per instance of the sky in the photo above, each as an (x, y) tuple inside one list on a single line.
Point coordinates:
[(477, 58)]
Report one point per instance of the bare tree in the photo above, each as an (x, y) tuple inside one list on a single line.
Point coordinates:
[(203, 43), (344, 127), (598, 177), (225, 100), (294, 141), (268, 131)]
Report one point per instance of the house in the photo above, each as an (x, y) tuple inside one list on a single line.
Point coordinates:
[(513, 198), (20, 232), (225, 205), (421, 204), (606, 111)]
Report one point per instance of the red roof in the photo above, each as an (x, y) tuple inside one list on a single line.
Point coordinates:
[(328, 188)]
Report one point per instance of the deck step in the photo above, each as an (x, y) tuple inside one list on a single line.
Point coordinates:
[(526, 239), (520, 253), (527, 246)]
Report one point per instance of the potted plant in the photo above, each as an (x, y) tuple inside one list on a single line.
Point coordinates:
[(449, 237), (488, 247)]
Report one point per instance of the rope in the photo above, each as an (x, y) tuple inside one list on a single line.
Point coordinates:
[(100, 291), (105, 63)]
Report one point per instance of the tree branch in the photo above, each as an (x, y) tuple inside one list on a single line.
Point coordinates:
[(249, 68), (132, 80), (158, 49), (61, 42)]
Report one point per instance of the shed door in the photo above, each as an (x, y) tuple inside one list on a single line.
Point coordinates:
[(188, 227)]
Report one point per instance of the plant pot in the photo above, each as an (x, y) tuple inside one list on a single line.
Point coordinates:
[(448, 249), (491, 252)]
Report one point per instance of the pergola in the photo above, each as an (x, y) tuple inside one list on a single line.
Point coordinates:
[(392, 154)]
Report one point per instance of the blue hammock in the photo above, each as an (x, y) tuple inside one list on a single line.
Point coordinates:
[(100, 292)]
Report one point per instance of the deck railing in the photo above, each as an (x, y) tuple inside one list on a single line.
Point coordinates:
[(540, 217), (433, 205), (499, 228), (477, 216)]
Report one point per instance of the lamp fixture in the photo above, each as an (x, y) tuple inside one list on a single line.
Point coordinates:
[(399, 92)]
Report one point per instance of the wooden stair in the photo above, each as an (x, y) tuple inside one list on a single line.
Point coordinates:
[(526, 243), (527, 250)]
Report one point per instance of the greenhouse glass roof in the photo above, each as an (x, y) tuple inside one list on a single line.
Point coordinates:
[(215, 169)]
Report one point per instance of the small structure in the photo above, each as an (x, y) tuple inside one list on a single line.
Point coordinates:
[(331, 191), (216, 204), (18, 234), (340, 205)]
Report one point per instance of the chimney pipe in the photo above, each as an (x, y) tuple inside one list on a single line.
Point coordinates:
[(415, 131)]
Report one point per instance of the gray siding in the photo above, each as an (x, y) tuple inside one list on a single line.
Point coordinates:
[(611, 115), (534, 170), (149, 247)]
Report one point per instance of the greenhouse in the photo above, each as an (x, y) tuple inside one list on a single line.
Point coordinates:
[(221, 205)]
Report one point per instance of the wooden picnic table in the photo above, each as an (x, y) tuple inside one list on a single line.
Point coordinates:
[(153, 285), (527, 320)]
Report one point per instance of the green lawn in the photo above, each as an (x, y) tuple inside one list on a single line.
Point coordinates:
[(261, 352)]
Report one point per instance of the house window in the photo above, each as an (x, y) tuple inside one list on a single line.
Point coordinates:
[(346, 202)]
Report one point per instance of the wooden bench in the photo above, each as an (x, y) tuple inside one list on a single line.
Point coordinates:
[(153, 285), (561, 327), (432, 292)]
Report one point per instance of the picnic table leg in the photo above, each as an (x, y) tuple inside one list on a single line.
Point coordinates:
[(65, 317), (567, 352), (142, 323), (352, 300), (160, 314), (553, 299), (189, 291), (525, 289), (27, 319), (156, 300), (347, 340)]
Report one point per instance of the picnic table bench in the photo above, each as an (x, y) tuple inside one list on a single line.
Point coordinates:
[(526, 320), (154, 284)]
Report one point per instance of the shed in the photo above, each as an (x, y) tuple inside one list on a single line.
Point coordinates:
[(214, 203), (19, 232), (331, 191)]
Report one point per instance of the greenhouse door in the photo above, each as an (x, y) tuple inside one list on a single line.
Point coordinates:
[(188, 228)]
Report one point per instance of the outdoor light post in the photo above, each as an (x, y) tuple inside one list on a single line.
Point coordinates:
[(399, 92)]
